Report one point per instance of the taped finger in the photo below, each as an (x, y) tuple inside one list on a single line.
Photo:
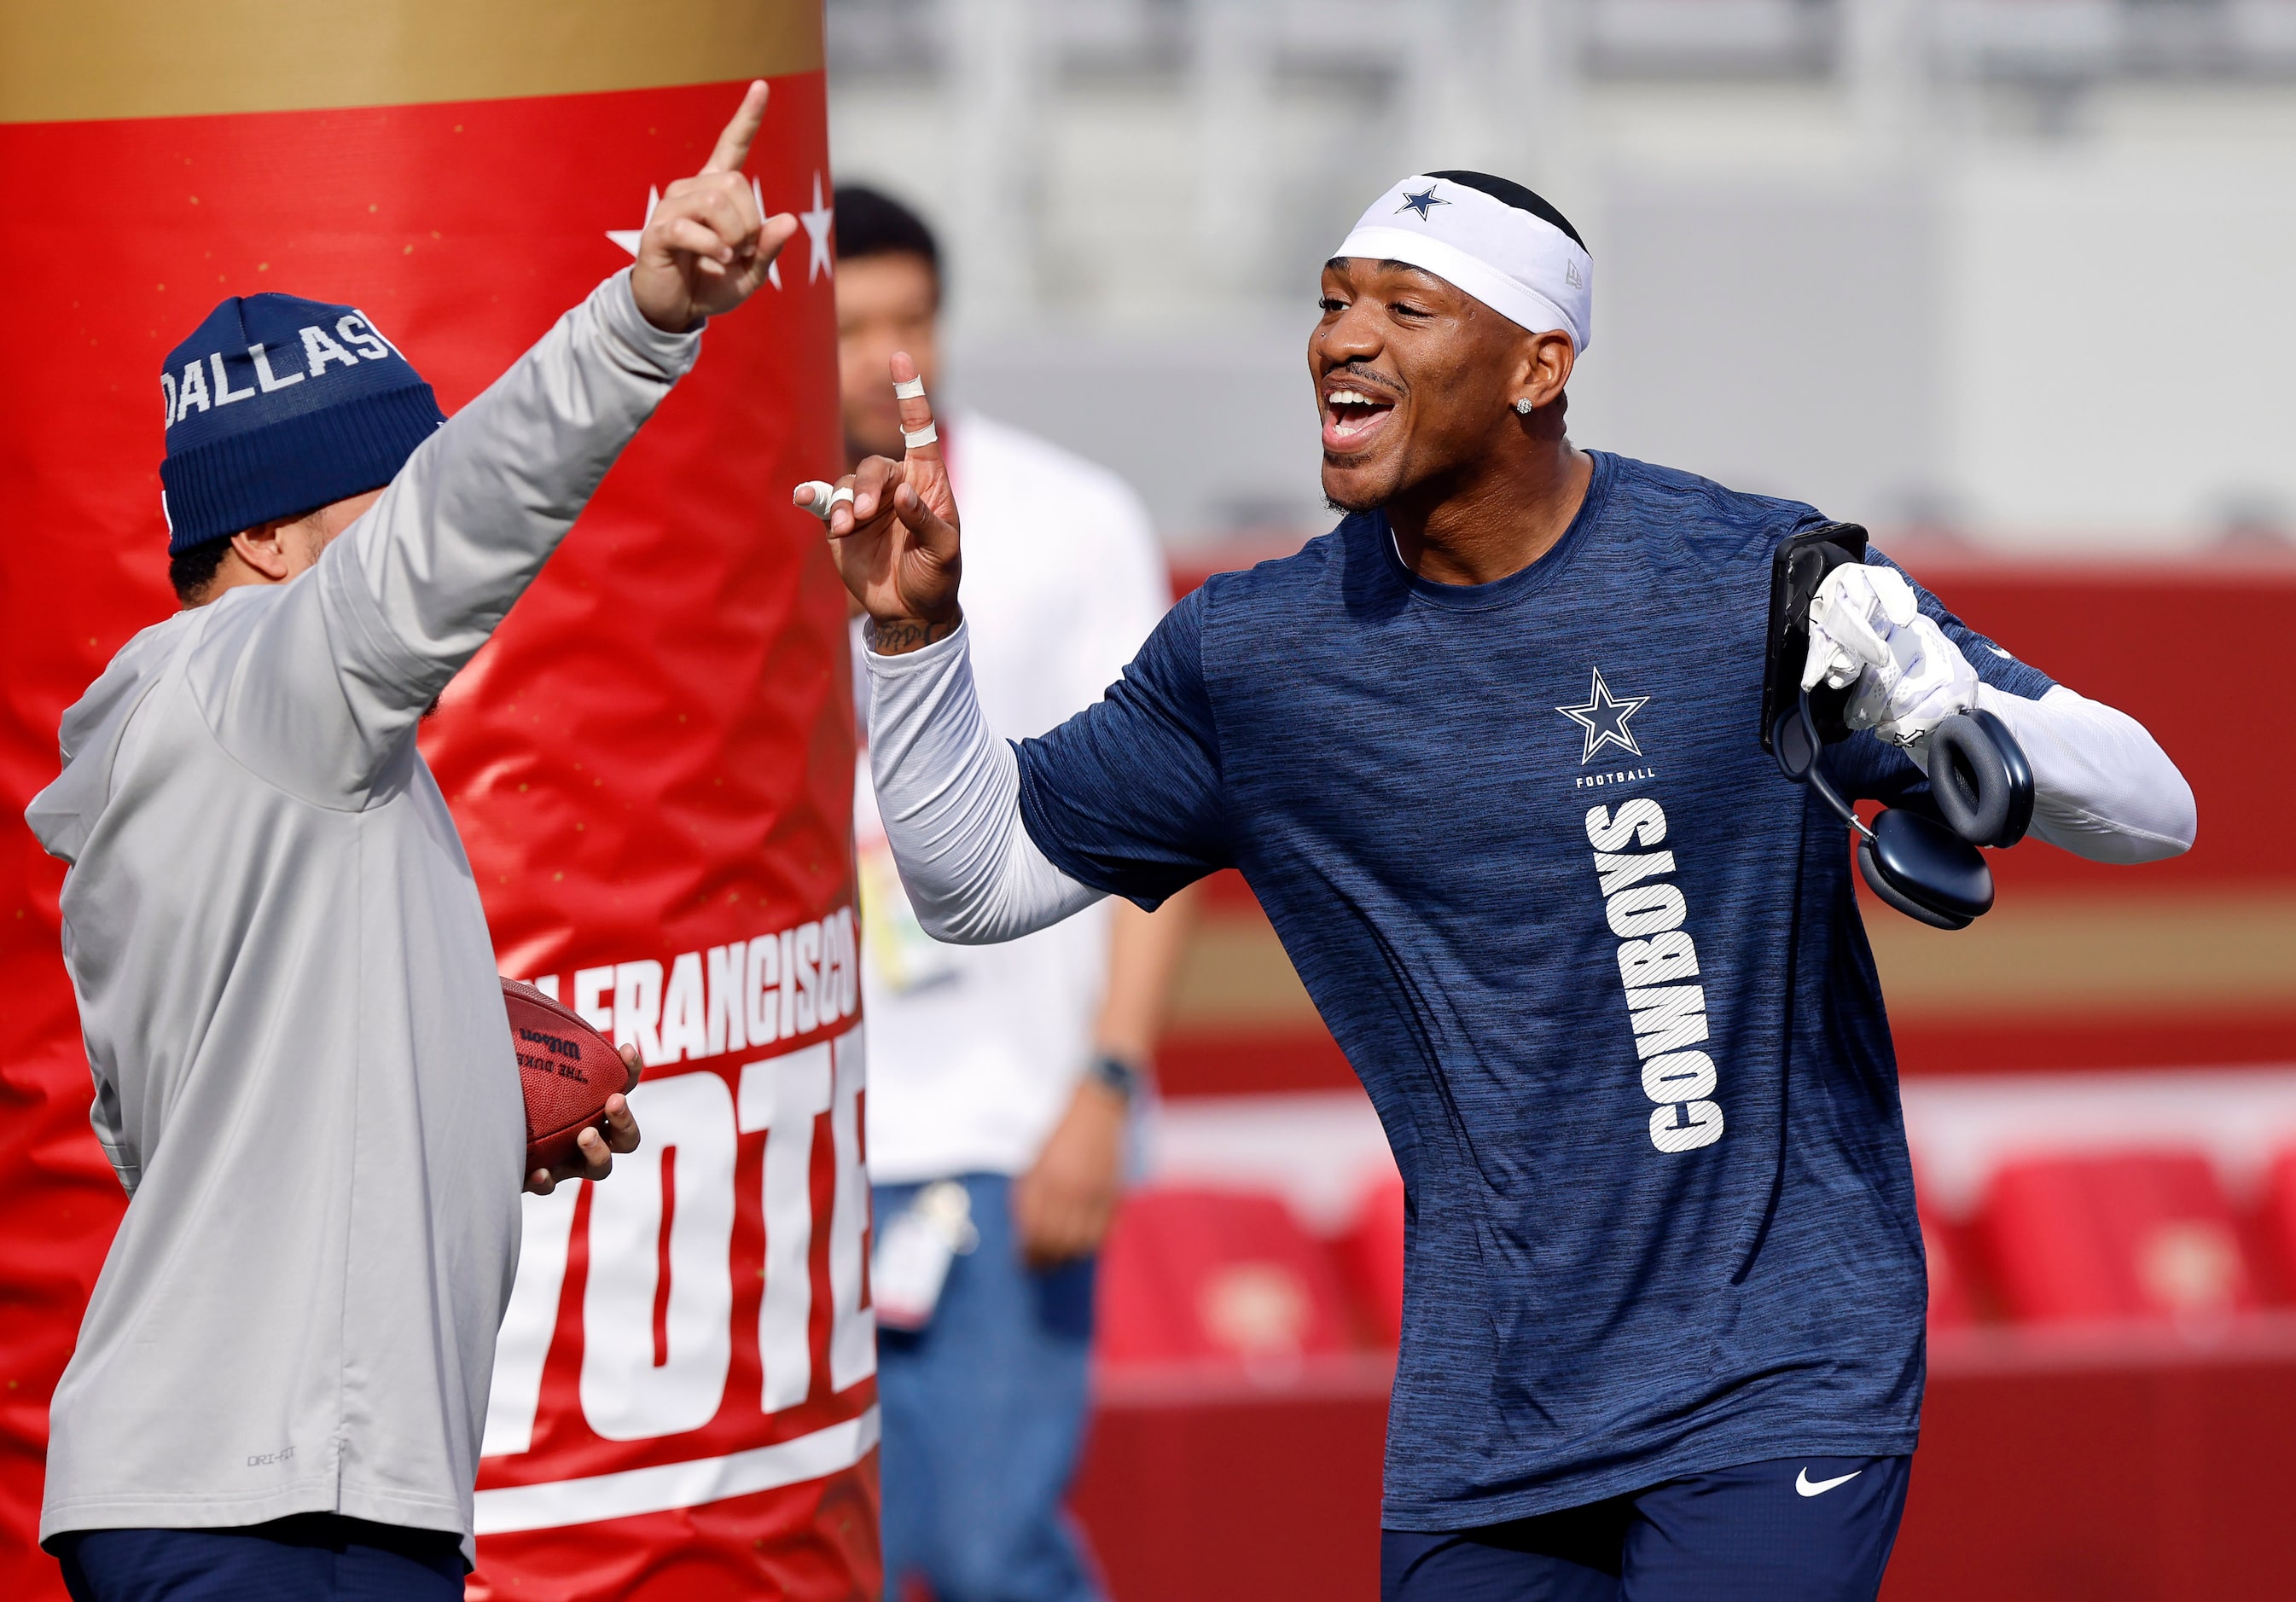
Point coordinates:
[(822, 498), (918, 431)]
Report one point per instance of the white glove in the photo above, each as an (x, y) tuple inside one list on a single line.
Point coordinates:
[(1866, 628)]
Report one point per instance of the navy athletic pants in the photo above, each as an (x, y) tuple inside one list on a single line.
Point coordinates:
[(1792, 1530), (311, 1557)]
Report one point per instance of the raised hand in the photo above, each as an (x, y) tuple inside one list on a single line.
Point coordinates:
[(893, 529), (705, 249)]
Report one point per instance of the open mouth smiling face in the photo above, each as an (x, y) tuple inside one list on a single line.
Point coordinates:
[(1361, 357), (1414, 379), (1356, 412)]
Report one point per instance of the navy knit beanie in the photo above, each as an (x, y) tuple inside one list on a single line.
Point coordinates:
[(279, 405)]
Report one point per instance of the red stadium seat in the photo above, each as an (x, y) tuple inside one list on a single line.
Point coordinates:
[(1196, 1274), (1371, 1260), (2277, 1220), (1947, 1248), (2135, 1235), (1950, 1305)]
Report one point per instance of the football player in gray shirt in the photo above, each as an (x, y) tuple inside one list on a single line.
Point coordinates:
[(303, 1072)]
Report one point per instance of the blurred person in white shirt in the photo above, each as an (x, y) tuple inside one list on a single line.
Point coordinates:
[(1002, 1078)]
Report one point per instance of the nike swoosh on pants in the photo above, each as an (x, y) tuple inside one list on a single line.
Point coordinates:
[(1808, 1487)]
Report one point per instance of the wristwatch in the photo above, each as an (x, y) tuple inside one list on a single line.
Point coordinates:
[(1128, 1079)]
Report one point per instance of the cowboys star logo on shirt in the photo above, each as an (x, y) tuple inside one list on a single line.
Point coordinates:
[(1603, 716)]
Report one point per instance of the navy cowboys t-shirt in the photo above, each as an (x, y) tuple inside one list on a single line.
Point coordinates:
[(1598, 964)]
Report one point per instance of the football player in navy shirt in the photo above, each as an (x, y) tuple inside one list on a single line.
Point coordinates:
[(1487, 753)]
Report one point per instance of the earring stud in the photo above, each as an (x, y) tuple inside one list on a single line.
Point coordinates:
[(1522, 404)]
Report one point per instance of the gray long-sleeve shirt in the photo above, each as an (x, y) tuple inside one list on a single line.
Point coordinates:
[(303, 1072)]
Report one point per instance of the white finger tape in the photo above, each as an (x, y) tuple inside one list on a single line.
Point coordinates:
[(925, 436), (909, 390), (825, 497)]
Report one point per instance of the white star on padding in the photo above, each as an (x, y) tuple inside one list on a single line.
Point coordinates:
[(1603, 716), (627, 238), (816, 234)]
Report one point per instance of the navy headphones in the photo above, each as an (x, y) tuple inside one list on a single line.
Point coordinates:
[(1978, 777)]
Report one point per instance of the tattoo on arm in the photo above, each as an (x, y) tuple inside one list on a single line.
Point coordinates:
[(906, 634)]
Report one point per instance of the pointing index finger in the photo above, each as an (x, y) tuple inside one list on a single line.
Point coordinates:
[(919, 439), (734, 144)]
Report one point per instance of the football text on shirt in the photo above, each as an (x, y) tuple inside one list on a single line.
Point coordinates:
[(1655, 955)]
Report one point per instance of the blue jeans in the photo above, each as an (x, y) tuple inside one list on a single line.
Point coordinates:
[(310, 1558), (984, 1412), (1789, 1530)]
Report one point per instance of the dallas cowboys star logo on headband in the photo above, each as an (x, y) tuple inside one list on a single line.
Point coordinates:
[(1603, 716), (1492, 238), (1422, 202)]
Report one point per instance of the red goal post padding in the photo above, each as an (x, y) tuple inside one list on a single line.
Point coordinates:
[(651, 764)]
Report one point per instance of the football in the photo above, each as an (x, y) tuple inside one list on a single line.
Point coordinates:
[(567, 1069)]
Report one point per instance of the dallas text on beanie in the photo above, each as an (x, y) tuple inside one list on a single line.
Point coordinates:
[(277, 405)]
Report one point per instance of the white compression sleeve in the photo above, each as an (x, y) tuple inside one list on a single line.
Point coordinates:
[(949, 791), (2103, 787)]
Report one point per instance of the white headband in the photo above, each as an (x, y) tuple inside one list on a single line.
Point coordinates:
[(1512, 259)]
